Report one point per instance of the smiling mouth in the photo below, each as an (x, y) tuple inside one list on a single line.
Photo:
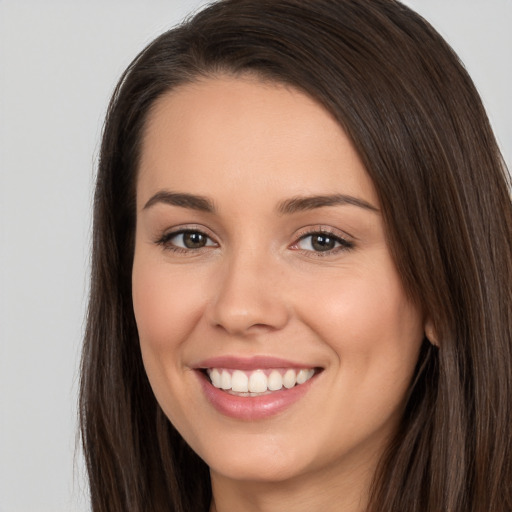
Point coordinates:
[(258, 382)]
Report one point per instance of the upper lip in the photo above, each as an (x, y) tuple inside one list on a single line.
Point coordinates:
[(249, 363)]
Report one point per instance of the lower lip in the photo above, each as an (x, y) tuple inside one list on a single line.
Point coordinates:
[(253, 407)]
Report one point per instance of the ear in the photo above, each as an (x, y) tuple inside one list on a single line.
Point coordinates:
[(431, 333)]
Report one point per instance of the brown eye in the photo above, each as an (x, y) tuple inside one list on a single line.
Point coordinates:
[(194, 239), (186, 240), (323, 243)]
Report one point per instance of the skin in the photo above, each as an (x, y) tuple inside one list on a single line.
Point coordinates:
[(259, 287)]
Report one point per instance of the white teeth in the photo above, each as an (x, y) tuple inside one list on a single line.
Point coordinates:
[(225, 380), (289, 379), (302, 376), (275, 381), (216, 378), (258, 381), (239, 382)]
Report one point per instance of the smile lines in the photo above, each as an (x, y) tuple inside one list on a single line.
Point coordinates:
[(258, 381)]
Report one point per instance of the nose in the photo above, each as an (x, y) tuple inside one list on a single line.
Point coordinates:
[(249, 296)]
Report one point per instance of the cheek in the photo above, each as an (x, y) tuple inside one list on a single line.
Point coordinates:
[(374, 334), (367, 320), (166, 306), (166, 312)]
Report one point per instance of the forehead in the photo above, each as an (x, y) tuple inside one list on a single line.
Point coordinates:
[(242, 132)]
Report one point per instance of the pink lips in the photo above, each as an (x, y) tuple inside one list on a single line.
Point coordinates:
[(254, 407), (248, 364)]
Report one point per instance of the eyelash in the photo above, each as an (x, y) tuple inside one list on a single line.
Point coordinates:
[(344, 244), (165, 240)]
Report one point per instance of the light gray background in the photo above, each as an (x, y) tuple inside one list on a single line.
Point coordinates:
[(59, 61)]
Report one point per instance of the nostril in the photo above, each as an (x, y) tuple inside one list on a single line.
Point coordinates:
[(245, 304)]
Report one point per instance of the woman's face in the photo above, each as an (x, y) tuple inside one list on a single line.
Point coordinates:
[(261, 259)]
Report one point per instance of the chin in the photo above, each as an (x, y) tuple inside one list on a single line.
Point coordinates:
[(257, 471), (263, 462)]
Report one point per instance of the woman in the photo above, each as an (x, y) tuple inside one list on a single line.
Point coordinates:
[(301, 274)]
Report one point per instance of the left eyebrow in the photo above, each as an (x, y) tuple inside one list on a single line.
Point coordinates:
[(304, 203), (183, 200)]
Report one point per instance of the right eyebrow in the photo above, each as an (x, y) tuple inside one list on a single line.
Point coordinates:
[(191, 201), (304, 203)]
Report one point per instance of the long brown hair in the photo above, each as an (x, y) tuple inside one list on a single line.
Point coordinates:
[(418, 124)]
